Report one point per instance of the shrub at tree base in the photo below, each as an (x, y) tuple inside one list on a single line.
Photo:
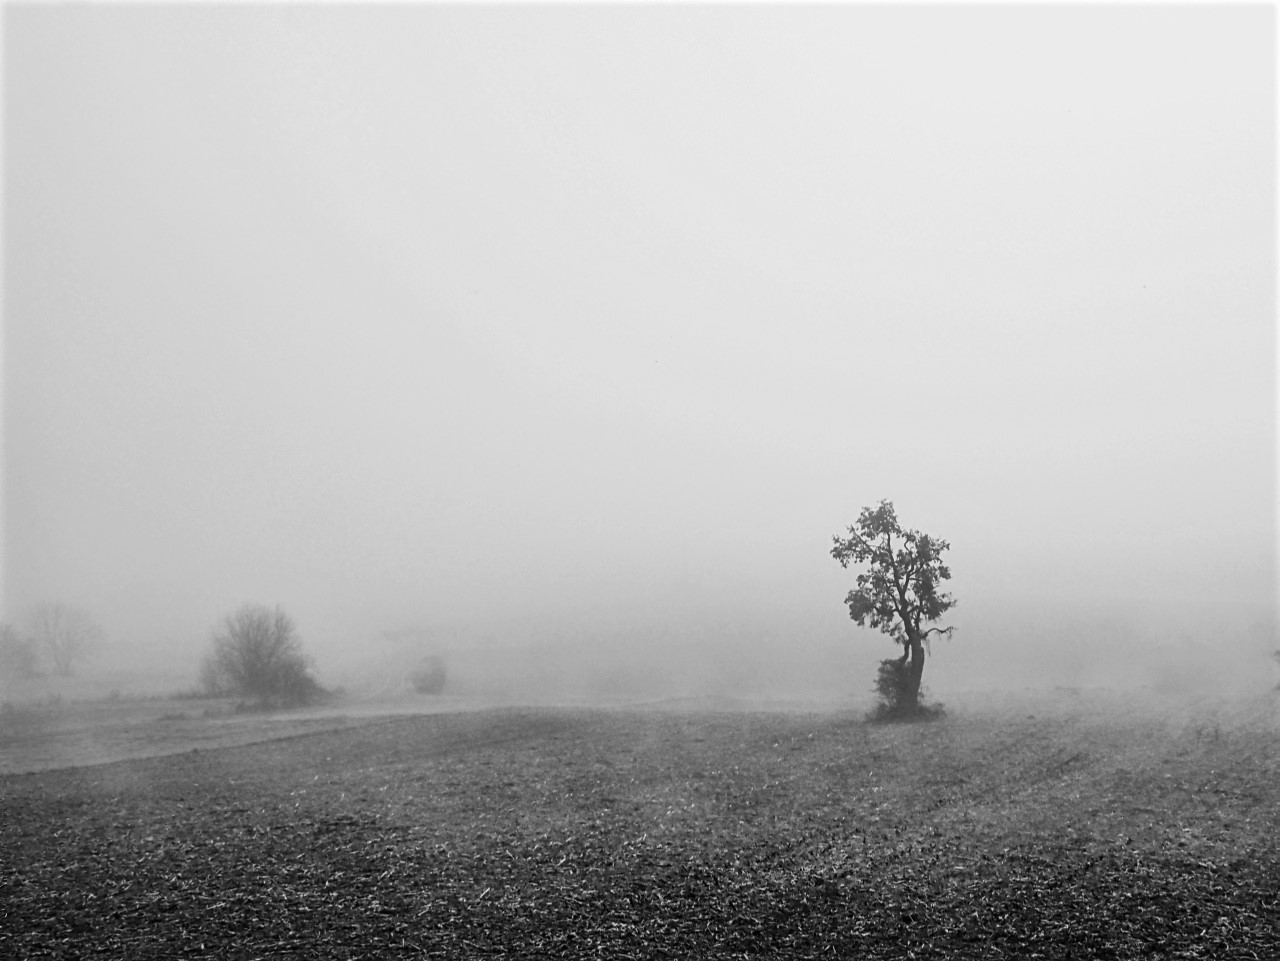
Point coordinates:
[(256, 655), (893, 685)]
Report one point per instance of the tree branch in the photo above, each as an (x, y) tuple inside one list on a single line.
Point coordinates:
[(902, 605)]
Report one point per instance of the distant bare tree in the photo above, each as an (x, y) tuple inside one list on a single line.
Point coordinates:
[(257, 655), (66, 632), (18, 656)]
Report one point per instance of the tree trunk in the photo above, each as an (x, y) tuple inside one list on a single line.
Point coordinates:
[(915, 670)]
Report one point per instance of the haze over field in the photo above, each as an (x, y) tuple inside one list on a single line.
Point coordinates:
[(591, 325)]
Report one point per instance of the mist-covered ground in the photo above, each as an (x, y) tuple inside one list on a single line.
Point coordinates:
[(815, 655), (50, 723)]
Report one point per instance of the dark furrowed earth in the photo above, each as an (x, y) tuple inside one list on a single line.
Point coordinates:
[(1095, 830)]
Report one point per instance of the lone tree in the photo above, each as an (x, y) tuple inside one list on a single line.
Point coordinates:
[(66, 632), (257, 655), (898, 594)]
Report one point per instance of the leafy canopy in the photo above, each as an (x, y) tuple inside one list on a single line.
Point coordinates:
[(898, 594)]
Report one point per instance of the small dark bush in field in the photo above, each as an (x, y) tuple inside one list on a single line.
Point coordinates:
[(257, 656), (429, 676), (18, 657), (897, 700)]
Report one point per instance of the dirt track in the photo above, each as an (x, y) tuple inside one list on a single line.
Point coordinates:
[(52, 736)]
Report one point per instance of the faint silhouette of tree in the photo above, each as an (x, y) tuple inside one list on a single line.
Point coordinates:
[(68, 633), (18, 655)]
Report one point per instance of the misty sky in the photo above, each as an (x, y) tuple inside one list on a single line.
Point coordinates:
[(573, 318)]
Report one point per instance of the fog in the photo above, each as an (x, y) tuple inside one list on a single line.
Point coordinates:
[(562, 339)]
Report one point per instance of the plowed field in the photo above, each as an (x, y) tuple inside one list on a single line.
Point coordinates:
[(1091, 830)]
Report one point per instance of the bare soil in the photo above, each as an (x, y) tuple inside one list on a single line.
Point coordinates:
[(1089, 827)]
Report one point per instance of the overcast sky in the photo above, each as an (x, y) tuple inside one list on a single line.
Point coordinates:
[(570, 316)]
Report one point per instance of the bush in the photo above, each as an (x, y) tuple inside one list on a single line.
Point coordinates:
[(893, 685), (257, 656), (429, 676)]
